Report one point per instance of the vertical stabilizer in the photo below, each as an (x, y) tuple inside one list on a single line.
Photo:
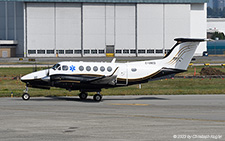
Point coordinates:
[(181, 54)]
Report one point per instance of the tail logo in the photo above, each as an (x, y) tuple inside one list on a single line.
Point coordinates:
[(72, 68), (179, 56)]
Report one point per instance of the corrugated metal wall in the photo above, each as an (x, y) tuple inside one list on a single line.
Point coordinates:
[(199, 25), (92, 29), (94, 26), (150, 28), (53, 28), (11, 24), (216, 47)]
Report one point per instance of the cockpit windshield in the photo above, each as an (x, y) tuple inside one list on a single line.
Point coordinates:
[(55, 66)]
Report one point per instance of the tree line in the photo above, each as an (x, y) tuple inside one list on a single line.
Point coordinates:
[(215, 13)]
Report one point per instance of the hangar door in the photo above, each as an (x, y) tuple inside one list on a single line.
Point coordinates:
[(53, 28), (109, 28), (125, 29)]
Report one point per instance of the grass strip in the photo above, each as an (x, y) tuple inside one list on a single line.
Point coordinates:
[(159, 87)]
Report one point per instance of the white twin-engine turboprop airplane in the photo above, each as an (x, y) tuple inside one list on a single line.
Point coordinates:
[(94, 76)]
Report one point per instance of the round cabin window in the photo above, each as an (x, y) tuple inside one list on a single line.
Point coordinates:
[(102, 68), (81, 68), (88, 68), (109, 69), (95, 68)]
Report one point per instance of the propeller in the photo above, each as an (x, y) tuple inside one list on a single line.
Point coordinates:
[(47, 77), (35, 64), (48, 71)]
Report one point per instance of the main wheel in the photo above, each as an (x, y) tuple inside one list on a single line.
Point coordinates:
[(97, 97), (25, 96), (83, 95)]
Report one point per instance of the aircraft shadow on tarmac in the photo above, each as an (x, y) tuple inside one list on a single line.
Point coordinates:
[(90, 100)]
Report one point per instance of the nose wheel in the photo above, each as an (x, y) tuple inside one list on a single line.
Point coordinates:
[(26, 96)]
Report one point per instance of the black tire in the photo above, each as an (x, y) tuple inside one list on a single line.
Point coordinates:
[(83, 96), (97, 97), (25, 96)]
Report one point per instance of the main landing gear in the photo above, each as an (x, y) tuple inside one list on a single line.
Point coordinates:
[(25, 95), (83, 95), (97, 97)]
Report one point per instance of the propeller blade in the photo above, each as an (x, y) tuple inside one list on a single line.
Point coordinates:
[(48, 71), (35, 67), (46, 78)]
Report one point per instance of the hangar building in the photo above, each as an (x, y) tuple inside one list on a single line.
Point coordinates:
[(82, 28)]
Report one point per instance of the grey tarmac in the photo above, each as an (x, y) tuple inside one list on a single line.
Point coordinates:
[(122, 118)]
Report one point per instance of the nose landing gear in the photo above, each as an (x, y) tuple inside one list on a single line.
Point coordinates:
[(25, 95)]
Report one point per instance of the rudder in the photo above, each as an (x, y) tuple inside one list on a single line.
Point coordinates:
[(181, 54)]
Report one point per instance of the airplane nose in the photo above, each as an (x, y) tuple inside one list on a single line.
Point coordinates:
[(23, 79), (39, 75)]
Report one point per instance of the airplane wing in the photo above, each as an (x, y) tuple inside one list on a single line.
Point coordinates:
[(84, 78), (110, 80)]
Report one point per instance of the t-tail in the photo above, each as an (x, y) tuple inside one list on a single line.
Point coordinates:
[(181, 54)]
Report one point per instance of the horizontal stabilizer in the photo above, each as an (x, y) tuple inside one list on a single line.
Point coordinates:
[(181, 40)]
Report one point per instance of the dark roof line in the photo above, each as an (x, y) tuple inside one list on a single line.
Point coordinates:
[(189, 40), (117, 1)]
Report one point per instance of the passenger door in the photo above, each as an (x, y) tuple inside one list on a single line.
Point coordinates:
[(122, 78)]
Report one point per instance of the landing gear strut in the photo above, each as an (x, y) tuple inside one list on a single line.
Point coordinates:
[(25, 95)]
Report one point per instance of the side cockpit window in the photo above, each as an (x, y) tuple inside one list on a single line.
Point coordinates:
[(65, 68), (56, 66)]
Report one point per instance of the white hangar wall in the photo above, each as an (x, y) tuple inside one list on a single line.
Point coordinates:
[(125, 29), (70, 29), (150, 29), (53, 28), (99, 26), (94, 26), (94, 29), (199, 25), (159, 24), (108, 25), (177, 23), (40, 27)]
